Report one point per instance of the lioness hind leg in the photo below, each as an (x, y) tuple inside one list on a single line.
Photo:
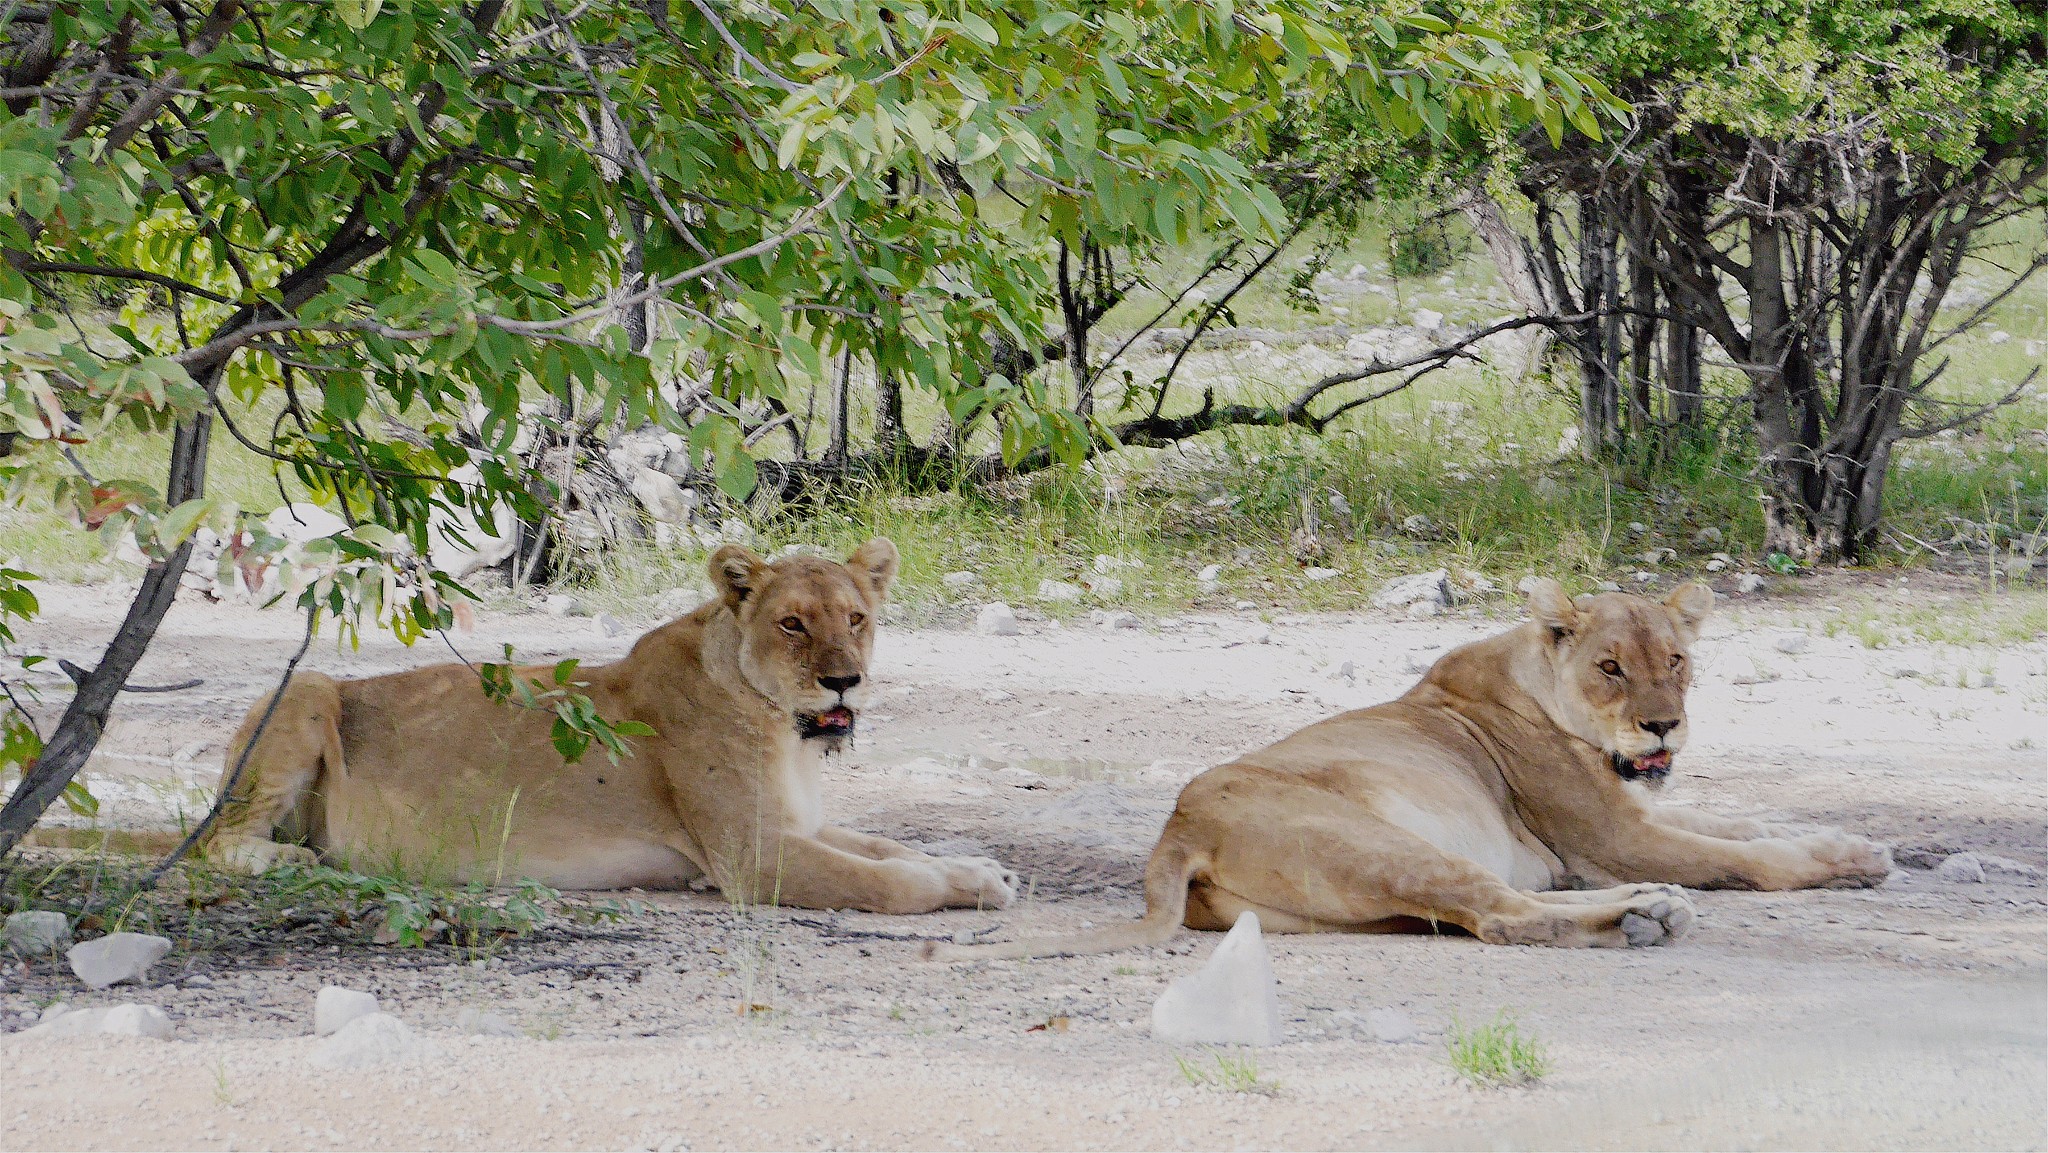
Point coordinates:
[(278, 781)]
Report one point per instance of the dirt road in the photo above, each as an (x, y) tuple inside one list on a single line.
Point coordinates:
[(1914, 1015)]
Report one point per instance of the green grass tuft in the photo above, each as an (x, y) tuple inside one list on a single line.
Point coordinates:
[(1498, 1053)]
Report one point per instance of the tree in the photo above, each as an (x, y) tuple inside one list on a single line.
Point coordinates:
[(1804, 186), (383, 228)]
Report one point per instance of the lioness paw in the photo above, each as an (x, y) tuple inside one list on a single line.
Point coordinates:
[(1656, 919), (1852, 862), (980, 882), (259, 857)]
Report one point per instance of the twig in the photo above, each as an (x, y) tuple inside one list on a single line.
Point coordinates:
[(78, 676), (544, 966), (233, 779)]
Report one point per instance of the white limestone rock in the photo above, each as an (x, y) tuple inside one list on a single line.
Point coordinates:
[(334, 1007), (1052, 590), (375, 1039), (36, 932), (996, 620), (1433, 586), (117, 957), (1232, 1000)]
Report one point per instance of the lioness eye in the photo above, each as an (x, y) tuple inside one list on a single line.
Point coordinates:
[(1610, 668), (857, 620), (792, 625), (1677, 659)]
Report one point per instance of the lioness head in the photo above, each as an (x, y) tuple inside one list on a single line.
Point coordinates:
[(807, 629), (1620, 670)]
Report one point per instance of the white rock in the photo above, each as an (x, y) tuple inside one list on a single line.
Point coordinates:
[(1707, 537), (1391, 1026), (1716, 565), (962, 579), (1608, 587), (1789, 642), (1476, 582), (1346, 671), (117, 957), (36, 932), (996, 620), (1119, 620), (334, 1007), (1749, 583), (1638, 528), (477, 549), (478, 1023), (666, 501), (1210, 574), (1418, 525), (124, 1020), (1429, 320), (376, 1039), (1423, 610), (1999, 336), (1243, 606), (138, 1021), (1357, 272), (562, 605), (1433, 586), (1322, 574), (1052, 590), (1961, 869), (300, 522), (1644, 578), (1106, 587), (608, 625), (1231, 1000)]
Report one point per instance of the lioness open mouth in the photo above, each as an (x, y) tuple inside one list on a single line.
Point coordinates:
[(1650, 766), (833, 722)]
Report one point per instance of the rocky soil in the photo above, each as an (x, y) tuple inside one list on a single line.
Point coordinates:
[(1914, 1015)]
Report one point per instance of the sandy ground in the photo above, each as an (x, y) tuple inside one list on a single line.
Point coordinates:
[(1910, 1016)]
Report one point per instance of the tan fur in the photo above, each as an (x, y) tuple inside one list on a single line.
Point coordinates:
[(420, 773), (1474, 797)]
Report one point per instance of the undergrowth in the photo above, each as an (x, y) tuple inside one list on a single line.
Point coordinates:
[(1497, 1053)]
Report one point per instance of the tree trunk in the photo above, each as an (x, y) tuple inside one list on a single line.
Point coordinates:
[(891, 438), (78, 731), (1516, 266)]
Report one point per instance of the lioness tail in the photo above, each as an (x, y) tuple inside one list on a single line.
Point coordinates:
[(1166, 905)]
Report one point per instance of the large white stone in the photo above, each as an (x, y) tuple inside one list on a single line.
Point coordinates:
[(996, 620), (376, 1039), (665, 501), (123, 1020), (1231, 1000), (962, 579), (1052, 590), (334, 1007), (476, 550), (1433, 586), (117, 957), (300, 522), (36, 932)]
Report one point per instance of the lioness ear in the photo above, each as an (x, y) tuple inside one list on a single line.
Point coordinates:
[(1551, 608), (735, 572), (874, 564), (1689, 605)]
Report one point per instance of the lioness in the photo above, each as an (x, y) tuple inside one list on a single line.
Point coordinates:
[(1519, 765), (421, 772)]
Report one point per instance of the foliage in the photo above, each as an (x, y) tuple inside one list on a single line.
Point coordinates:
[(1497, 1053), (412, 914), (576, 723), (1232, 1073)]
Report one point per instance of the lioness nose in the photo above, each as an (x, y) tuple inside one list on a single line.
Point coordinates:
[(1658, 727), (839, 684)]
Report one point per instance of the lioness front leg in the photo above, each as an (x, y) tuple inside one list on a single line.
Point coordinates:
[(884, 849), (1715, 825), (811, 873), (1830, 858)]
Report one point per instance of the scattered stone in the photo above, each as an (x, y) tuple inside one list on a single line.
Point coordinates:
[(1718, 563), (199, 981), (1243, 606), (1339, 505), (1644, 578), (125, 1020), (1608, 587), (996, 620), (478, 1023), (117, 957), (1210, 574), (1344, 672), (1638, 528), (1232, 1000), (1707, 537), (607, 625), (1789, 642), (562, 605), (36, 932), (1263, 635), (1433, 586), (1749, 583), (1429, 320), (1476, 583), (1424, 610), (1417, 662), (375, 1039), (1418, 525), (1106, 588), (1322, 574), (1998, 336), (334, 1007), (1113, 619), (962, 579), (1391, 1027), (1961, 869), (1052, 590)]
